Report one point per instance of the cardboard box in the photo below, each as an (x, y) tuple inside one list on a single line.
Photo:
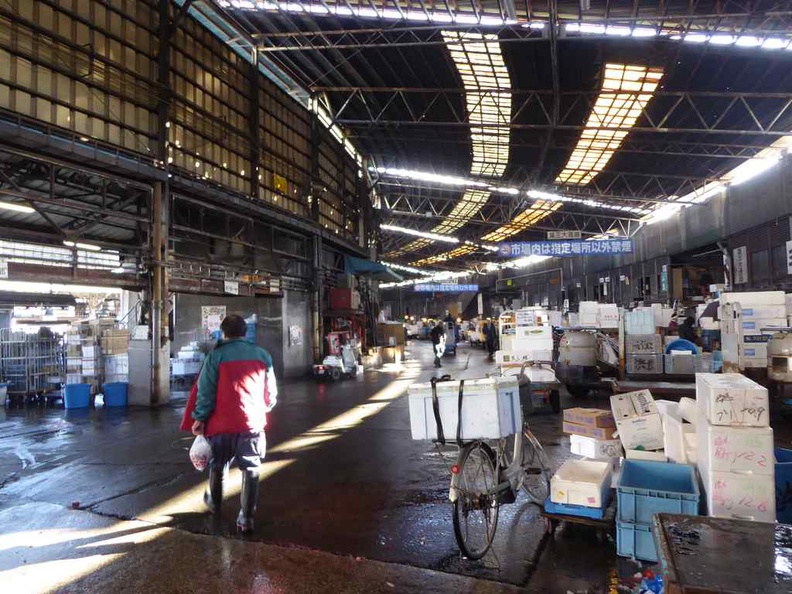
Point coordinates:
[(593, 417), (732, 399), (589, 430), (644, 344), (638, 421), (597, 449), (645, 364)]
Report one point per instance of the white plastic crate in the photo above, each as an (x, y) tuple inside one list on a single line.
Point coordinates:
[(490, 409), (581, 482)]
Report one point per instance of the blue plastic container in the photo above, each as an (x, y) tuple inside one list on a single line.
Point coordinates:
[(647, 488), (77, 395), (635, 541), (580, 511), (115, 393), (783, 474)]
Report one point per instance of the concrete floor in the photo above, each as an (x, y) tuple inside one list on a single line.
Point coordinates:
[(104, 499)]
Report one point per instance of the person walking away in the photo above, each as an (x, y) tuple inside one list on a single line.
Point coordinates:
[(491, 334), (437, 335), (687, 331), (229, 405)]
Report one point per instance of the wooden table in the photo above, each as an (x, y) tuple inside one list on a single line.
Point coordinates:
[(702, 555)]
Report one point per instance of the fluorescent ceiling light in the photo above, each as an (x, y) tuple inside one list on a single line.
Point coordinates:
[(618, 31), (748, 41), (539, 195), (775, 43), (16, 207), (462, 250), (424, 234), (644, 32), (403, 268), (696, 38), (625, 92), (722, 39), (427, 176), (83, 246)]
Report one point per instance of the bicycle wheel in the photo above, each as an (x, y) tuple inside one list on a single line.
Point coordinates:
[(537, 468), (476, 506)]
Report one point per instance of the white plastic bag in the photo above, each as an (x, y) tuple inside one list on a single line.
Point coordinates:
[(200, 453)]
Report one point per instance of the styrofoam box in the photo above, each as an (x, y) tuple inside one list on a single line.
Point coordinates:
[(748, 299), (654, 456), (644, 364), (608, 315), (490, 409), (755, 350), (756, 324), (91, 352), (533, 333), (581, 482), (644, 344), (742, 496), (764, 312), (679, 438), (732, 399), (517, 359), (185, 367), (598, 449), (735, 449)]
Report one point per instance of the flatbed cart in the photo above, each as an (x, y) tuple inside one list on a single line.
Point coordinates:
[(538, 384), (604, 526)]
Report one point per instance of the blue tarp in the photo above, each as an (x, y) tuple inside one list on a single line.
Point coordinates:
[(375, 270)]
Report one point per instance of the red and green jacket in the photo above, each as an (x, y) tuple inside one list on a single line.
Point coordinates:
[(235, 390)]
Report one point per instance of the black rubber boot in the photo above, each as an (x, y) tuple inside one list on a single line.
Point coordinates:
[(249, 499), (213, 495)]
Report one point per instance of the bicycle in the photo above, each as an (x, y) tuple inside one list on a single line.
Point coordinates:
[(484, 478)]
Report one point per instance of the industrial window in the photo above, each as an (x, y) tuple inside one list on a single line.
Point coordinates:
[(780, 268), (760, 266)]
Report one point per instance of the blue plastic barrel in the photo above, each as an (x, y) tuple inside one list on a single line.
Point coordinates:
[(77, 395), (115, 393)]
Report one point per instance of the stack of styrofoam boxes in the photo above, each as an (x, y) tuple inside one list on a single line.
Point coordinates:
[(116, 368), (535, 341), (592, 448), (73, 359), (188, 360), (588, 314), (644, 354), (639, 321), (765, 309), (91, 354), (735, 447)]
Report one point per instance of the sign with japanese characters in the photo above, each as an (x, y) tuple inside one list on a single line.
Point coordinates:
[(740, 265), (445, 288), (564, 235), (788, 255), (566, 249)]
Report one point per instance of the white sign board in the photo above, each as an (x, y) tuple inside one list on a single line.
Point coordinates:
[(788, 254), (525, 317), (4, 267), (564, 235), (231, 287), (740, 265), (480, 304)]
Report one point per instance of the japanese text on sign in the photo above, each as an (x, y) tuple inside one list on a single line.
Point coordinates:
[(565, 249), (564, 235), (445, 288)]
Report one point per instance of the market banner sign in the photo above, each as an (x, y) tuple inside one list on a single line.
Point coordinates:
[(566, 249), (445, 288), (564, 235)]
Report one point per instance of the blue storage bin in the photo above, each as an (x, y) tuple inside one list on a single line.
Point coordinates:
[(647, 488), (783, 474), (581, 511), (77, 395), (115, 393), (635, 541)]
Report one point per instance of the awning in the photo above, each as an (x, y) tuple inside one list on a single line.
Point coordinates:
[(373, 270)]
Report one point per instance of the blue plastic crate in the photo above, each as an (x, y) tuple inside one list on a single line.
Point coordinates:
[(783, 477), (647, 488), (635, 541), (581, 511)]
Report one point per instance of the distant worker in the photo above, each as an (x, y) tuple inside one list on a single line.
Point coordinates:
[(229, 406), (437, 334), (491, 335), (687, 331)]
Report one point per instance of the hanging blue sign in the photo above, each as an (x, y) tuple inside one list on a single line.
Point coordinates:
[(566, 249), (445, 288)]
